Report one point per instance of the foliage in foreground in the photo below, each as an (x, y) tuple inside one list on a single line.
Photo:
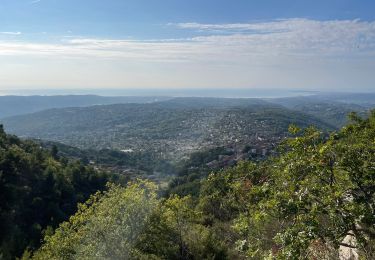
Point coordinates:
[(131, 223), (299, 205), (307, 200), (38, 191), (106, 226)]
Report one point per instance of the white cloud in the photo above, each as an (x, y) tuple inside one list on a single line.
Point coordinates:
[(35, 2), (295, 37), (11, 33), (228, 53)]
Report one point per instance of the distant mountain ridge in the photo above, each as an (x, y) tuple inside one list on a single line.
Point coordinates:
[(170, 128), (332, 108), (12, 105), (17, 105), (361, 99)]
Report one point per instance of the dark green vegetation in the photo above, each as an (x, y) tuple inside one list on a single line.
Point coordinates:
[(131, 164), (232, 194), (300, 204), (189, 173), (38, 190)]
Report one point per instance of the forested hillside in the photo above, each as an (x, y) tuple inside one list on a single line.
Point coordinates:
[(331, 108), (38, 190), (170, 129), (236, 173), (315, 200)]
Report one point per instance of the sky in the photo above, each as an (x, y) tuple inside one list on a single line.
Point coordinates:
[(324, 45)]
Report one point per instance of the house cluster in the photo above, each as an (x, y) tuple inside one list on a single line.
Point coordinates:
[(258, 149)]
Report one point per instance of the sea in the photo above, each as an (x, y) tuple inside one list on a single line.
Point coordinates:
[(192, 92)]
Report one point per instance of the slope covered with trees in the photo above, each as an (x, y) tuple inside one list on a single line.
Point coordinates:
[(170, 129), (301, 204), (38, 190)]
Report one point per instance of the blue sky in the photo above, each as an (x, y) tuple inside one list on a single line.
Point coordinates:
[(313, 45)]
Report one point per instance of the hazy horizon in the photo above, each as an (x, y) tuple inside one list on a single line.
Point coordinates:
[(268, 44), (186, 92)]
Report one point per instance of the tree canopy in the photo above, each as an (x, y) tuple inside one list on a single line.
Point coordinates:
[(38, 191), (300, 204), (319, 190)]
